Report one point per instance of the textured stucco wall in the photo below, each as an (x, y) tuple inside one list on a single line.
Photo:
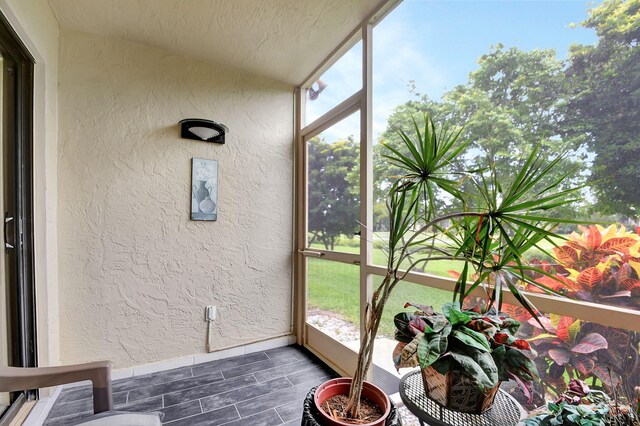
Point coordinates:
[(135, 272), (36, 26)]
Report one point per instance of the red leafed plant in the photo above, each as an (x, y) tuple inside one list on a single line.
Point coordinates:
[(599, 265), (568, 351)]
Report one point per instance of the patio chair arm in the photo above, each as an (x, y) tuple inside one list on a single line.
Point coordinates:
[(16, 379)]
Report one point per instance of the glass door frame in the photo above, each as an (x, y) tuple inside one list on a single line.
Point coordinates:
[(341, 358), (21, 298)]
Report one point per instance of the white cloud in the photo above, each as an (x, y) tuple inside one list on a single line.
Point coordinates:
[(399, 58)]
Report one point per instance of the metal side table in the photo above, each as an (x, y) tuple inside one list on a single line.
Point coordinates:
[(506, 411)]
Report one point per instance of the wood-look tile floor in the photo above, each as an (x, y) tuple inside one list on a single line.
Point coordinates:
[(260, 389)]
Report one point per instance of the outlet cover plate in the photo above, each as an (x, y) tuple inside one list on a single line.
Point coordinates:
[(210, 313)]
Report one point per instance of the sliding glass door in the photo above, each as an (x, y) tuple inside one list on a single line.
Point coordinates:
[(17, 314)]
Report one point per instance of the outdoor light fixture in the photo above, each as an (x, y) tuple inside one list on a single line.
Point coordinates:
[(314, 93), (202, 130)]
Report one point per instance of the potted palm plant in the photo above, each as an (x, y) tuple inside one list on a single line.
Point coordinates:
[(493, 227)]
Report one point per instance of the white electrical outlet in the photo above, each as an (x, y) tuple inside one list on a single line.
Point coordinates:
[(210, 313)]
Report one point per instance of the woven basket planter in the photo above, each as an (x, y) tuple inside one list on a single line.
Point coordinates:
[(457, 392)]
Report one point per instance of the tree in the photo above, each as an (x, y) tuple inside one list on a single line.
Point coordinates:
[(604, 108), (333, 190), (512, 103)]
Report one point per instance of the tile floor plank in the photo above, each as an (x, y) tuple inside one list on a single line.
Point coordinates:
[(142, 406), (177, 385), (266, 418), (83, 405), (225, 364), (152, 379), (274, 399), (281, 351), (260, 366), (243, 394), (207, 390), (283, 370), (186, 409), (297, 377), (75, 394), (291, 411), (216, 417)]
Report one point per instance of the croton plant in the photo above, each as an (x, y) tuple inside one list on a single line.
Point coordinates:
[(483, 344), (600, 265)]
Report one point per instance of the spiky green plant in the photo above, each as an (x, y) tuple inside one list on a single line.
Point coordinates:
[(495, 226)]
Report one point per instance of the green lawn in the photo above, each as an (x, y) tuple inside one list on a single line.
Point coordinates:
[(352, 245), (334, 286), (439, 268)]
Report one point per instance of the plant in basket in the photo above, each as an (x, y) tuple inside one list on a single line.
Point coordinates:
[(467, 352), (489, 223)]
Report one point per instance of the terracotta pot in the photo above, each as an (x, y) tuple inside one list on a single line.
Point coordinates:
[(457, 392), (341, 386)]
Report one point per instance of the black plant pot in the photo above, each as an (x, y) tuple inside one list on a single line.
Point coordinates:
[(310, 417)]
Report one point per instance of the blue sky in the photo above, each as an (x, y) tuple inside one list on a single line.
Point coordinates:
[(436, 43)]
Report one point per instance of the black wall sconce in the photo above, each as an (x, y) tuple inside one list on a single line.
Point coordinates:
[(202, 130)]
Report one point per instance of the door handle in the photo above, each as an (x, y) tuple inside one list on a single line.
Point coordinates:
[(7, 219), (311, 253)]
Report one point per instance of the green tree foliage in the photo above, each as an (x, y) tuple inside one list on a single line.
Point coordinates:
[(604, 107), (512, 103), (333, 190), (587, 107)]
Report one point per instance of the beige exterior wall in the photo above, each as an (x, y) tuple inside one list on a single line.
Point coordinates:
[(35, 24), (135, 272)]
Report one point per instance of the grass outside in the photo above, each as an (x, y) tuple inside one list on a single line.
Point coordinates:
[(352, 245), (334, 286)]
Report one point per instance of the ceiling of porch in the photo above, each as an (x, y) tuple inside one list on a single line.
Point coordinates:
[(281, 39)]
